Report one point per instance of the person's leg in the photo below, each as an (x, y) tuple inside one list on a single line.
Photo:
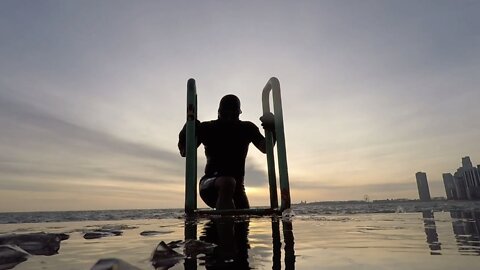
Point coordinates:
[(240, 197), (225, 186)]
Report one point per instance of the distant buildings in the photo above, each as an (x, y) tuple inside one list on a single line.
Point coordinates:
[(464, 184), (449, 184), (422, 184)]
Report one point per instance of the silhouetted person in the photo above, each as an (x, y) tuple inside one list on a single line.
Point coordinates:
[(226, 142)]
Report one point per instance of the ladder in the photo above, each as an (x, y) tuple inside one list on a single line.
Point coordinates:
[(273, 87)]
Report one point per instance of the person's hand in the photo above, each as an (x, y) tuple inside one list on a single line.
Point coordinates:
[(181, 149), (268, 121)]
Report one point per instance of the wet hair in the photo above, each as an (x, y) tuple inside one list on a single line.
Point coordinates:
[(229, 104)]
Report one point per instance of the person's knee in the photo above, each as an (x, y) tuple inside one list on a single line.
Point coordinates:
[(225, 184)]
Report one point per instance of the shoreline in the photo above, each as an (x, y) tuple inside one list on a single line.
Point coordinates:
[(314, 208)]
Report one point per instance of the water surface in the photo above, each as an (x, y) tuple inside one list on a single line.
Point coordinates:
[(392, 240)]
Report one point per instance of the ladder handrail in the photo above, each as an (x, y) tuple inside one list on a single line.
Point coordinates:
[(273, 86), (272, 178), (191, 149)]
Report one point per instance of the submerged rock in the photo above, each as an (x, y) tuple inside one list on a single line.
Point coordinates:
[(11, 255), (175, 244), (101, 233), (118, 227), (153, 233), (164, 257), (35, 243), (194, 247), (113, 264)]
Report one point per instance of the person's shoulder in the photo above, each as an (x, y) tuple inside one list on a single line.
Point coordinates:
[(207, 124), (248, 124), (210, 122)]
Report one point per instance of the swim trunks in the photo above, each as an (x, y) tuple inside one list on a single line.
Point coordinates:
[(208, 192)]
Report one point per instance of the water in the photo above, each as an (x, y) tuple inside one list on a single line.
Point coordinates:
[(325, 208), (391, 235), (68, 216)]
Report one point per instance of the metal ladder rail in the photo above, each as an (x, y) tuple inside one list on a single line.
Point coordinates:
[(191, 150), (273, 86)]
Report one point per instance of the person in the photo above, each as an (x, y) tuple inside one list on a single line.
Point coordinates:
[(226, 142)]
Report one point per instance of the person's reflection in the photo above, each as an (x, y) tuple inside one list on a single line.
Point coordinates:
[(466, 227), (431, 232), (231, 238)]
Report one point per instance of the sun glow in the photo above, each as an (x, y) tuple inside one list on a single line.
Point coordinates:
[(255, 191)]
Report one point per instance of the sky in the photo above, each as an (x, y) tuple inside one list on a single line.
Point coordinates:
[(93, 95)]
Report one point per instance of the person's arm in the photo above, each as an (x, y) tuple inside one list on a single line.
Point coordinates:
[(182, 139), (268, 123), (261, 145)]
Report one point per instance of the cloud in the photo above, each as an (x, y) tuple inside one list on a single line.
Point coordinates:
[(377, 187), (66, 132), (37, 145), (371, 90), (254, 176)]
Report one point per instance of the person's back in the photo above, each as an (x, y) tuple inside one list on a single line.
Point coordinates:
[(226, 145), (226, 142)]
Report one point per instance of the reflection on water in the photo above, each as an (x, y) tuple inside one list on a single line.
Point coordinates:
[(231, 235), (363, 241), (431, 232), (289, 245), (466, 228), (231, 239)]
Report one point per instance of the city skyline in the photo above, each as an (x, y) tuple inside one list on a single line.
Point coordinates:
[(92, 96), (464, 184)]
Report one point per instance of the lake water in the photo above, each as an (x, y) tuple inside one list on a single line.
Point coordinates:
[(412, 235)]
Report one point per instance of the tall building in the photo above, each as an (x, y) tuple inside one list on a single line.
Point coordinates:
[(471, 176), (422, 184), (466, 163), (460, 185), (466, 182), (449, 184)]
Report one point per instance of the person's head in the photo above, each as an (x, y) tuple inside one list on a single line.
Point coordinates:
[(229, 108)]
